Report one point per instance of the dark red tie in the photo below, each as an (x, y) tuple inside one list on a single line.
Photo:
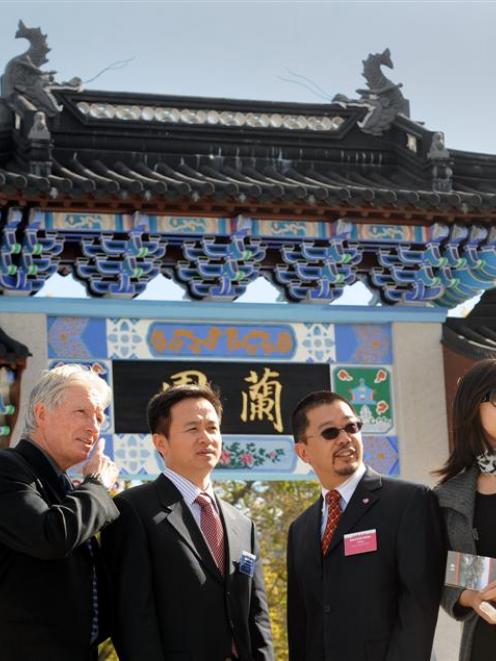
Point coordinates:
[(211, 527), (333, 515)]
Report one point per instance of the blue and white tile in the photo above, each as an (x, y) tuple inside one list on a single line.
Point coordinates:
[(136, 456), (316, 343), (126, 338)]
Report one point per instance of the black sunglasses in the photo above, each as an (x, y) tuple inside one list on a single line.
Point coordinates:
[(490, 396), (330, 433)]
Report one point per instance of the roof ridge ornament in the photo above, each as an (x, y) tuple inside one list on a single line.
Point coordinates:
[(25, 87), (27, 90), (442, 172), (383, 97)]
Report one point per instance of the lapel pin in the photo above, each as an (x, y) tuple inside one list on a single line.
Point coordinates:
[(365, 501)]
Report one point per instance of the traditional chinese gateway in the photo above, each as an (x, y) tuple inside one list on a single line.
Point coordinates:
[(117, 188)]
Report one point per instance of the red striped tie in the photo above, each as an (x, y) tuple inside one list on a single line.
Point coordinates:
[(333, 515), (211, 527)]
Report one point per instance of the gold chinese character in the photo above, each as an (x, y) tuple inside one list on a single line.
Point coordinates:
[(186, 378), (263, 399)]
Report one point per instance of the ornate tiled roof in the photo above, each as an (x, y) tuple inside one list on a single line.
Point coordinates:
[(125, 150), (62, 145), (118, 187)]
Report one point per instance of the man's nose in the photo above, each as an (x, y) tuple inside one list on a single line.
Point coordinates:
[(344, 438), (203, 435), (93, 424)]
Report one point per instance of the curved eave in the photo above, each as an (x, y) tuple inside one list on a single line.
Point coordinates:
[(77, 181)]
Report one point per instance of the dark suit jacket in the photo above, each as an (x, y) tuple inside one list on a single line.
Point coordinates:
[(170, 601), (45, 565), (377, 606)]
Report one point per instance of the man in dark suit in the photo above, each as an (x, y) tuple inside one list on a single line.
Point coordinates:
[(51, 587), (185, 567), (366, 561)]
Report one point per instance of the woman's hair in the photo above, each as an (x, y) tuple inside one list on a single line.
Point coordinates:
[(467, 434)]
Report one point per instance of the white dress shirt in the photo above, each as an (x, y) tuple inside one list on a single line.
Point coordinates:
[(346, 490), (189, 492)]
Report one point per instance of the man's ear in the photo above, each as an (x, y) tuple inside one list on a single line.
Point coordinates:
[(160, 442), (301, 450), (39, 411)]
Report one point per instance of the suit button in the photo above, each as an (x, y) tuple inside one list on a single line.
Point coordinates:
[(327, 608)]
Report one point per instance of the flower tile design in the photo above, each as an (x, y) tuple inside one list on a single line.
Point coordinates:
[(316, 343), (136, 456), (124, 339)]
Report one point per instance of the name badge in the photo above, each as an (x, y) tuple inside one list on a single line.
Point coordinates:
[(364, 541), (247, 564)]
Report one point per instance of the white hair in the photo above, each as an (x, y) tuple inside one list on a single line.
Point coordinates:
[(51, 388)]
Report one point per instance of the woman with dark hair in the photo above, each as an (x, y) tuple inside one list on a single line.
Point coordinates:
[(467, 496)]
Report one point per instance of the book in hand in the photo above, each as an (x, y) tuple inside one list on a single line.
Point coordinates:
[(473, 572)]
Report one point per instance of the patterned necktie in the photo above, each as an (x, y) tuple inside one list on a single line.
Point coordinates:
[(211, 527), (333, 515)]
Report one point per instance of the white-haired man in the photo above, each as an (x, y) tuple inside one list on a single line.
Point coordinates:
[(52, 605)]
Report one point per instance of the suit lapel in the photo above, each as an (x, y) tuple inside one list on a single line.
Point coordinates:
[(235, 544), (312, 542), (364, 498), (178, 515)]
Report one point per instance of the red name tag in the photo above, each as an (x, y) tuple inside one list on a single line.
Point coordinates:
[(364, 541)]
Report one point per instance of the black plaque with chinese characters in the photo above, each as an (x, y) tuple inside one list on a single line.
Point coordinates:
[(258, 398)]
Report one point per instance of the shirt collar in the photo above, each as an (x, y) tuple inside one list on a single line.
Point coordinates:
[(188, 490), (347, 488)]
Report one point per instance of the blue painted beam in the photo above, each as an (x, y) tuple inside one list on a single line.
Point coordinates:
[(200, 311)]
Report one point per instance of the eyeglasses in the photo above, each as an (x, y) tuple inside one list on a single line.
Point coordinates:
[(330, 433), (490, 397)]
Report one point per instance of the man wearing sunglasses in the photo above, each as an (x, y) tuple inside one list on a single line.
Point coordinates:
[(366, 561)]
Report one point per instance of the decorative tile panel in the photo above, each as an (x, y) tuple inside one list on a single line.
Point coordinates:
[(136, 456), (366, 344), (369, 390), (76, 338), (389, 233), (221, 340), (316, 343), (284, 229), (188, 225), (381, 454), (264, 369), (266, 454), (125, 338), (88, 222)]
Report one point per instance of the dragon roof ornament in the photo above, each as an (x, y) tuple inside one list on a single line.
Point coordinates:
[(383, 98), (26, 88)]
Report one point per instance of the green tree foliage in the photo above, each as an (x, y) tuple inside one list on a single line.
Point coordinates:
[(272, 506), (106, 652)]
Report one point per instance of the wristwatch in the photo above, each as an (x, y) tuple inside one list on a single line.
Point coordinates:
[(95, 478)]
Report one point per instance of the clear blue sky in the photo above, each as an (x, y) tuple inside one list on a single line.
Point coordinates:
[(444, 52)]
